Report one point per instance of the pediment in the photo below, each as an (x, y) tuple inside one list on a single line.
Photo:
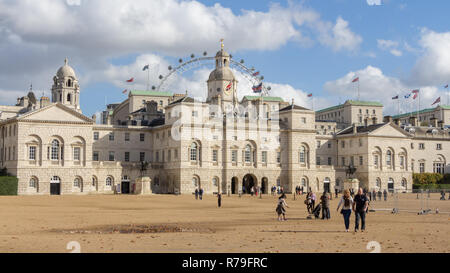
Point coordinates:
[(57, 113)]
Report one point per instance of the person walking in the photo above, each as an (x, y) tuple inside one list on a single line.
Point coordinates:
[(219, 199), (336, 192), (308, 202), (313, 200), (385, 195), (325, 201), (252, 191), (360, 205), (347, 204), (200, 193), (281, 208), (374, 194), (196, 194), (379, 194)]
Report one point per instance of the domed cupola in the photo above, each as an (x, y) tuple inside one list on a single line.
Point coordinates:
[(221, 81), (65, 87)]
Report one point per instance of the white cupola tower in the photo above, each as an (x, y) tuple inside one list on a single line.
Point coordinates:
[(221, 80), (65, 87)]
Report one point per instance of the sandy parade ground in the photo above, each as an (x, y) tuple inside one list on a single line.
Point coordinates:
[(168, 223)]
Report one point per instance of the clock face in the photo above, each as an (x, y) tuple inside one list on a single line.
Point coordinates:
[(228, 88)]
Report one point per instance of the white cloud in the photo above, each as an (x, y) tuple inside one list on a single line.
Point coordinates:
[(376, 86), (433, 67), (373, 2), (338, 37), (389, 45)]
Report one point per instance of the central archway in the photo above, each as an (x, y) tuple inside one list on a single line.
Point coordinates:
[(248, 182), (234, 185), (264, 185)]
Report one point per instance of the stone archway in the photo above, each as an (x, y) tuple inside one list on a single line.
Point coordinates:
[(248, 182), (234, 185), (264, 185)]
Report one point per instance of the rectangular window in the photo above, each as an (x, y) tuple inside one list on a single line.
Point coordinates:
[(422, 167), (264, 157), (303, 120), (175, 153), (318, 144), (157, 156), (111, 156), (278, 157), (111, 136), (438, 146), (95, 156), (329, 145), (95, 135), (402, 161), (421, 146), (318, 160), (32, 153), (142, 137), (343, 161), (194, 113), (127, 136), (352, 161), (361, 160), (214, 155), (234, 156), (169, 155), (343, 144), (438, 168), (360, 143), (142, 156), (76, 153), (127, 156), (329, 161)]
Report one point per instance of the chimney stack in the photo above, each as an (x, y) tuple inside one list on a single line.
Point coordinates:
[(397, 121), (374, 120), (388, 119), (440, 124), (413, 121), (44, 102), (434, 122), (355, 130)]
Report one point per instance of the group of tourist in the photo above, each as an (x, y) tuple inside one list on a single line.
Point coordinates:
[(358, 203), (277, 189), (374, 194), (198, 194)]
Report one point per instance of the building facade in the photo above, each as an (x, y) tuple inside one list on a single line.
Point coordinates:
[(221, 144)]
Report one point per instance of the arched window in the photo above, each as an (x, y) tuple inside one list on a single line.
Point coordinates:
[(195, 181), (193, 153), (33, 182), (69, 83), (302, 154), (248, 153), (109, 181), (303, 184), (55, 150), (215, 181), (404, 183), (68, 97), (378, 182), (77, 182), (388, 158), (94, 181)]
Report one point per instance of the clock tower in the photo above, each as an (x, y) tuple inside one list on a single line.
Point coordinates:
[(221, 80)]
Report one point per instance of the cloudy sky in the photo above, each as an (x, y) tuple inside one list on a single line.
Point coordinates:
[(301, 47)]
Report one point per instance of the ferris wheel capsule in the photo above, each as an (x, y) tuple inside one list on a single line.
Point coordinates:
[(153, 87), (242, 61), (205, 53), (170, 67), (180, 61), (192, 56), (160, 77)]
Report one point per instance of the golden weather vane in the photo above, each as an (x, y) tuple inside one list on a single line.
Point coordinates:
[(221, 43)]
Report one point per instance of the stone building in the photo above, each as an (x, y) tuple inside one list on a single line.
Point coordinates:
[(221, 144)]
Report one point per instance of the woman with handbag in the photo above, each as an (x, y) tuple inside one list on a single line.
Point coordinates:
[(346, 211)]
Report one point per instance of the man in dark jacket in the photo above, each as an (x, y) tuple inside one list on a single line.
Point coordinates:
[(360, 205), (325, 201)]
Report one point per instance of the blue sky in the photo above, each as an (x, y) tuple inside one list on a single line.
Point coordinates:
[(300, 47)]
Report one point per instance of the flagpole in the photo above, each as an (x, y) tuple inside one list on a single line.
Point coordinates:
[(358, 88), (148, 79), (398, 103)]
